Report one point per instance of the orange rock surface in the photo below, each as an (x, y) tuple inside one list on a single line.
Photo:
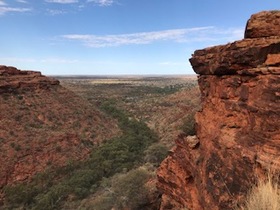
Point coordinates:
[(238, 127)]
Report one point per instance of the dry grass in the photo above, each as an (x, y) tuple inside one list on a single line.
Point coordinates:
[(264, 196)]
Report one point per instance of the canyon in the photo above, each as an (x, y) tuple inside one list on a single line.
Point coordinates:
[(46, 125), (238, 127), (56, 135)]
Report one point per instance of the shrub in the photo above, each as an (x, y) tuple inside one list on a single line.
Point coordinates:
[(264, 196), (189, 124), (104, 201), (129, 190), (123, 191), (156, 153), (19, 194), (50, 200)]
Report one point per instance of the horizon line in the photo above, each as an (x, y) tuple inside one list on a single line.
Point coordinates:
[(120, 75)]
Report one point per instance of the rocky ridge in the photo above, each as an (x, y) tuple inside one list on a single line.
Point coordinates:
[(12, 79), (43, 125), (238, 127)]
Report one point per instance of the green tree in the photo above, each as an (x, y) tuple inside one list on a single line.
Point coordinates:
[(130, 190), (189, 124), (156, 153)]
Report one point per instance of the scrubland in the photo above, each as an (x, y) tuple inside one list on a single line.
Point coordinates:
[(120, 172)]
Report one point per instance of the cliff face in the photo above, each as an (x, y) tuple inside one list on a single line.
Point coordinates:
[(238, 128), (43, 125), (14, 80)]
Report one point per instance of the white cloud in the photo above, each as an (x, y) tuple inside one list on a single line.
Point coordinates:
[(208, 35), (177, 35), (2, 3), (33, 60), (235, 33), (55, 12), (57, 60), (102, 2), (62, 1), (4, 10), (21, 1)]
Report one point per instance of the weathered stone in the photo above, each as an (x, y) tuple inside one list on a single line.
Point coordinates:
[(238, 128), (233, 58), (14, 80), (263, 24)]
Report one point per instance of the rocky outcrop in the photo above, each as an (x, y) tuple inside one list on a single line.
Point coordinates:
[(238, 127), (263, 24), (14, 80)]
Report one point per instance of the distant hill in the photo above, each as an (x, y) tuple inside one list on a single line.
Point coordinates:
[(43, 124)]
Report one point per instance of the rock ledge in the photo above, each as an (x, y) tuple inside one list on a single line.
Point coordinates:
[(14, 80)]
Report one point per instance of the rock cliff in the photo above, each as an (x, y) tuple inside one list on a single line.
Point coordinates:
[(44, 125), (14, 80), (238, 127)]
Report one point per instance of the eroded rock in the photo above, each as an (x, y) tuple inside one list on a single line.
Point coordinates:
[(238, 128), (14, 80)]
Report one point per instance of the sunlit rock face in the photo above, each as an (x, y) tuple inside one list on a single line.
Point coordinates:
[(238, 127)]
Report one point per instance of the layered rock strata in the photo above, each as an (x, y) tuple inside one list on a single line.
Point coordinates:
[(12, 79), (238, 128)]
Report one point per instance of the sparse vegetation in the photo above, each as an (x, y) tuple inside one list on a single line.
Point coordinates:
[(120, 171), (114, 156), (160, 102), (265, 195), (127, 190)]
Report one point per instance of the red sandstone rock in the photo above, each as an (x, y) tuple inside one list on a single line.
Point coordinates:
[(238, 128), (263, 24), (12, 79), (236, 57)]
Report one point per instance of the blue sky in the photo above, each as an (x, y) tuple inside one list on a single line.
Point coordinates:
[(109, 37)]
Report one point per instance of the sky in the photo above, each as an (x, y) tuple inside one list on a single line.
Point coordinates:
[(118, 37)]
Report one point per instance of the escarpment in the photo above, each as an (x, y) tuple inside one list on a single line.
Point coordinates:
[(43, 125), (238, 127), (14, 80)]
